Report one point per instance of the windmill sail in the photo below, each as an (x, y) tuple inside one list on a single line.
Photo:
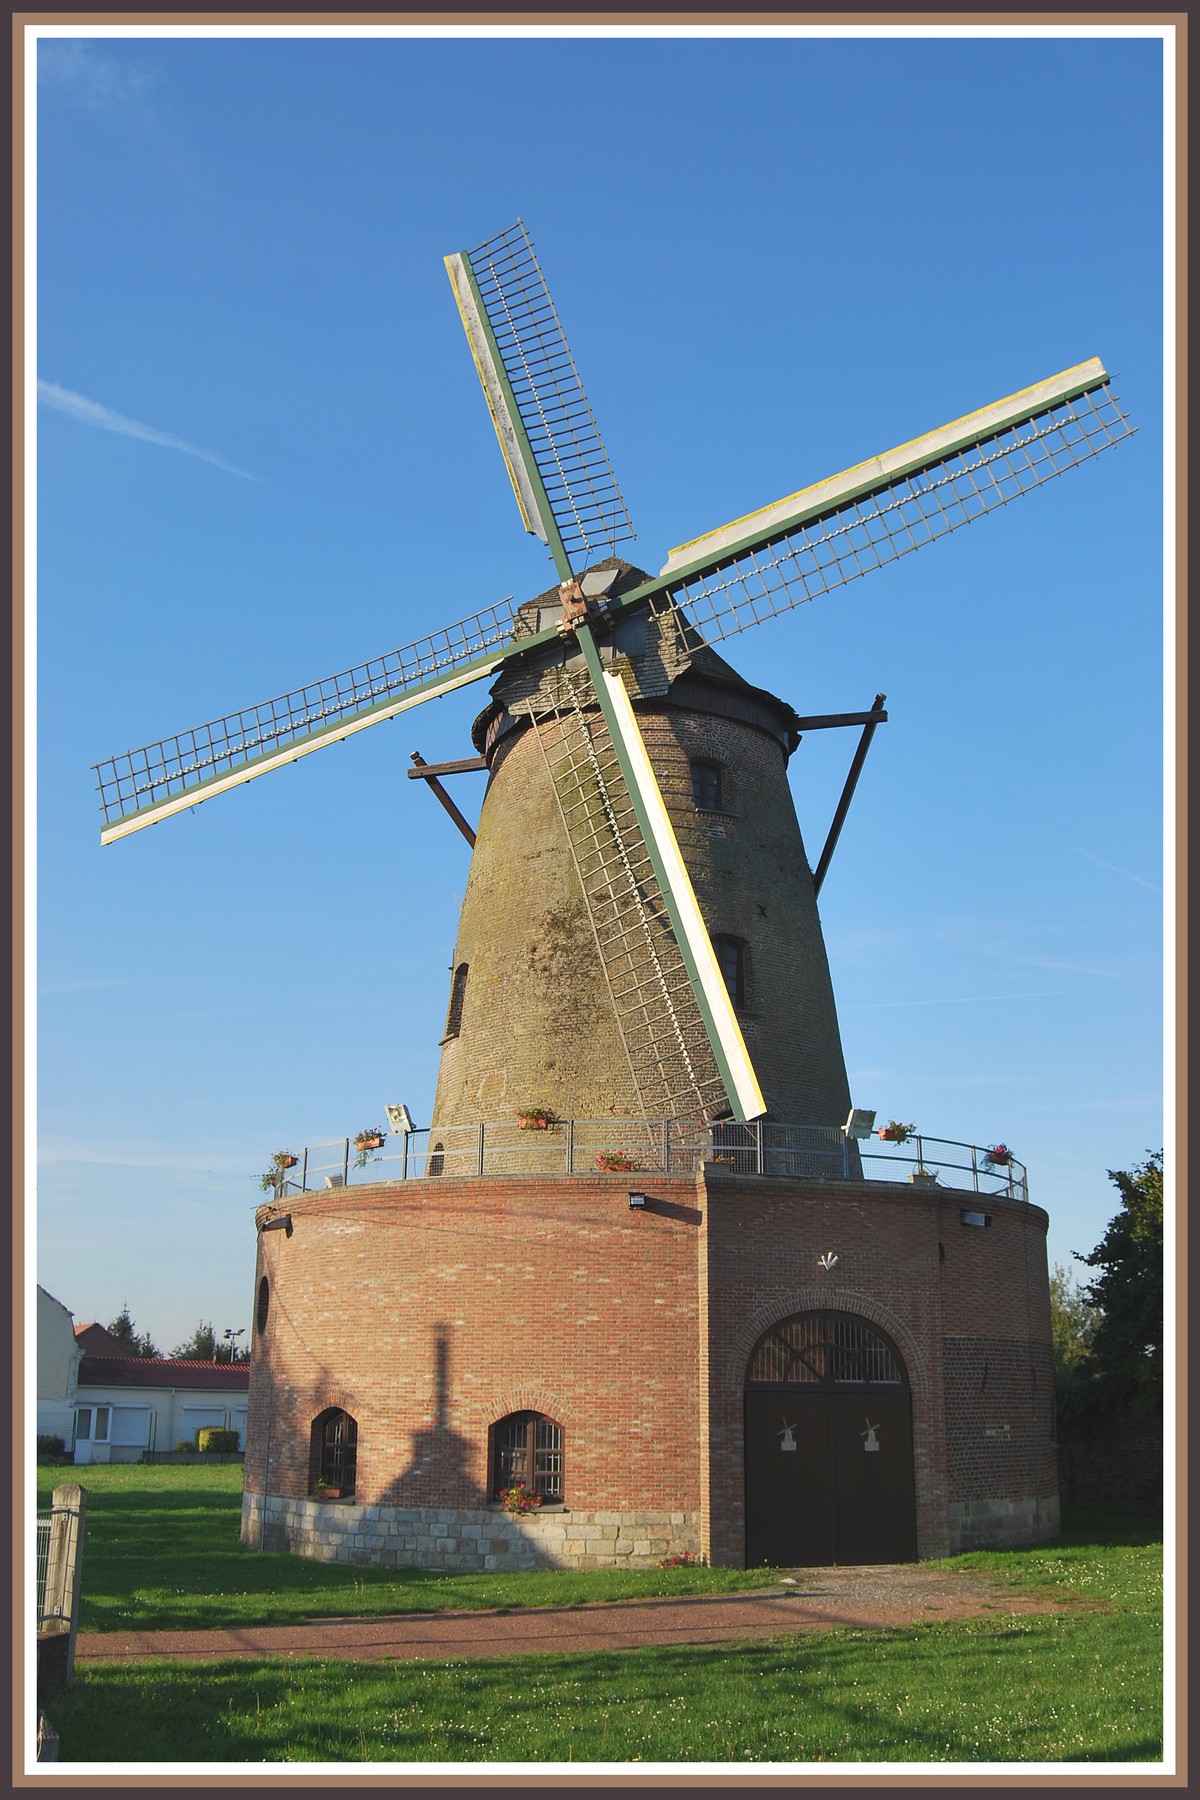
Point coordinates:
[(148, 784), (850, 524), (559, 468)]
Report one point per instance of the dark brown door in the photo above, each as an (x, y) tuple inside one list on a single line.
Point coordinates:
[(829, 1466)]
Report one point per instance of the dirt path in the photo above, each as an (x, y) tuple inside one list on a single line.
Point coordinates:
[(875, 1598)]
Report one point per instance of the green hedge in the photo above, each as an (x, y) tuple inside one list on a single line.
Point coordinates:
[(216, 1438)]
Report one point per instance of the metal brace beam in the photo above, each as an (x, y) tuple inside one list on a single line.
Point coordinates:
[(425, 772), (875, 717)]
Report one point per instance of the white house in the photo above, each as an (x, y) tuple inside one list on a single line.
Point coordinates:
[(58, 1358), (126, 1405), (110, 1407)]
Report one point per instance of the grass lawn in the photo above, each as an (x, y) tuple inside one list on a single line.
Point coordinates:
[(1081, 1686), (162, 1552)]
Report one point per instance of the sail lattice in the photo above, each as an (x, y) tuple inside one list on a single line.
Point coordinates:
[(567, 448), (769, 577), (670, 1057)]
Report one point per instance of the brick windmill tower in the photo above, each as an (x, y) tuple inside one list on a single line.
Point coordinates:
[(633, 1277)]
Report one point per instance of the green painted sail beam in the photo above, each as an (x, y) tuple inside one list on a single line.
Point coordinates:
[(719, 548), (527, 484), (679, 896), (206, 787)]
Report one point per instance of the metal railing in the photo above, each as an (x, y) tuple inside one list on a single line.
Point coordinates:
[(926, 1158), (652, 1147), (44, 1524)]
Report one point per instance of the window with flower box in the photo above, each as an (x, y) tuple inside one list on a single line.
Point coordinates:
[(527, 1448)]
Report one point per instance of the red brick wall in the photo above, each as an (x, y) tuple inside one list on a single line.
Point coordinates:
[(546, 1293), (431, 1309), (938, 1288)]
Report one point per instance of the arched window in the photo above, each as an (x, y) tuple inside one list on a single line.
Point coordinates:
[(333, 1451), (458, 991), (731, 959), (825, 1349), (528, 1447), (264, 1304), (706, 786), (437, 1159)]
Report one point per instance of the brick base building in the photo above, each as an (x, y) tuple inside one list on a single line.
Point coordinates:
[(696, 1373)]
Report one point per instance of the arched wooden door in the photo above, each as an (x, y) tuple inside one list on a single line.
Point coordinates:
[(829, 1465)]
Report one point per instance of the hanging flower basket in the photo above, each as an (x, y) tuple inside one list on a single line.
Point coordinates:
[(366, 1141), (535, 1118), (894, 1132), (270, 1179), (999, 1157), (615, 1162)]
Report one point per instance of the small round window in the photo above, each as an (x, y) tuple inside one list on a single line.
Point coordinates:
[(264, 1304)]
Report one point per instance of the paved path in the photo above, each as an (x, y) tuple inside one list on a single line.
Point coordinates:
[(814, 1600)]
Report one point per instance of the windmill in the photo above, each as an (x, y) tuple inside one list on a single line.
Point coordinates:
[(573, 661)]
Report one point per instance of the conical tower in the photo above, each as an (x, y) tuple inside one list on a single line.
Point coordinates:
[(533, 1019)]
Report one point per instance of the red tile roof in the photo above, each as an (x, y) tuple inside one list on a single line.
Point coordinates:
[(97, 1340), (162, 1372)]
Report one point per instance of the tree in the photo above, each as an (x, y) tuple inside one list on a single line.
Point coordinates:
[(1126, 1347), (205, 1346), (126, 1332), (1073, 1328)]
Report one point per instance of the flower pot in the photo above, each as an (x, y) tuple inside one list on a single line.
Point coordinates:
[(374, 1142), (532, 1122), (288, 1162)]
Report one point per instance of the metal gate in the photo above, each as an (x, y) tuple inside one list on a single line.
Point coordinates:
[(828, 1434)]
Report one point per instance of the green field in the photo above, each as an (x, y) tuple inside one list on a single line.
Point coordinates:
[(1080, 1685), (163, 1553)]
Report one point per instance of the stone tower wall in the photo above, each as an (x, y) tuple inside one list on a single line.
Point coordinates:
[(537, 1023)]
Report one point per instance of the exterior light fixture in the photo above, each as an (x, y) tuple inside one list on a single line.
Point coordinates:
[(281, 1222), (637, 1200), (333, 1181), (399, 1119), (859, 1124), (829, 1261)]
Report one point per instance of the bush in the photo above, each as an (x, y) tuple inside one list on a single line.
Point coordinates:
[(215, 1438), (184, 1444), (51, 1447)]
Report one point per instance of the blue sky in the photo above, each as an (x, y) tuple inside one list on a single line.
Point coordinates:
[(262, 456)]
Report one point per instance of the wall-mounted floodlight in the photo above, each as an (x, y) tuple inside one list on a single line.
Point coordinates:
[(399, 1119), (281, 1222), (859, 1124), (975, 1218), (332, 1181), (637, 1200)]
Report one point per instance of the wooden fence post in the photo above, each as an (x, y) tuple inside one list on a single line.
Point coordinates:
[(64, 1564)]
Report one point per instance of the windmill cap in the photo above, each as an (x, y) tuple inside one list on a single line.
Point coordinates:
[(700, 681)]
